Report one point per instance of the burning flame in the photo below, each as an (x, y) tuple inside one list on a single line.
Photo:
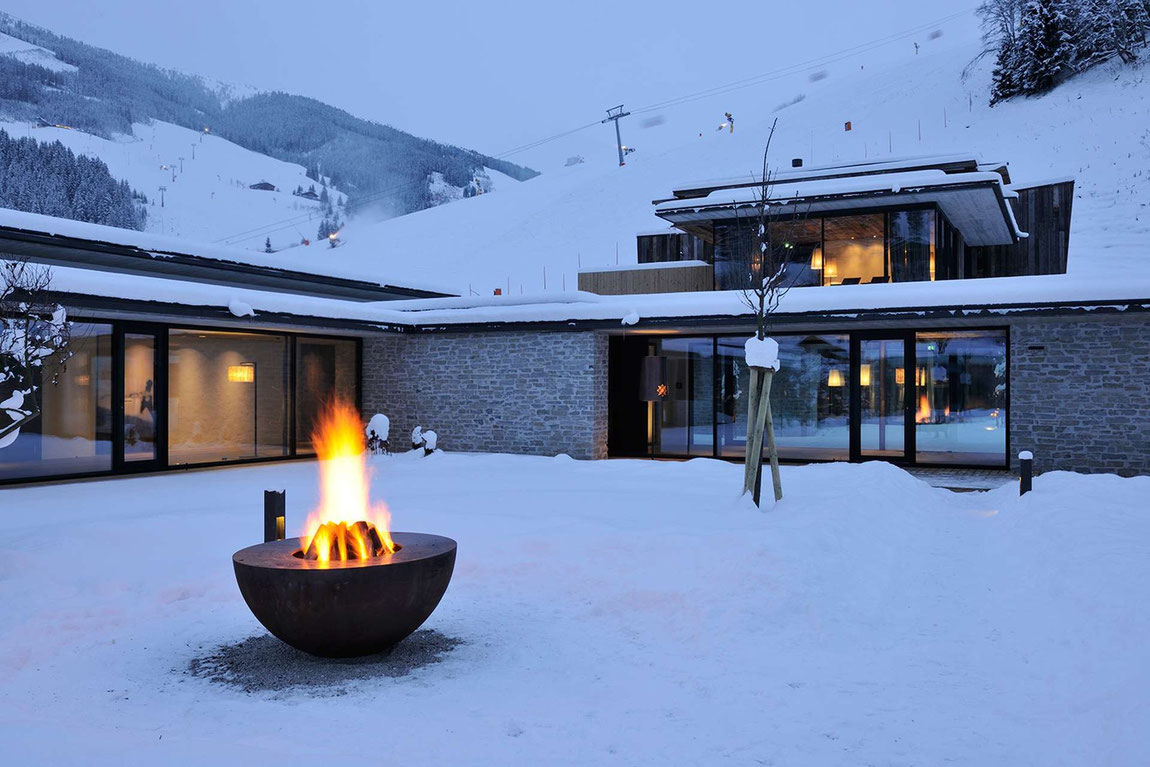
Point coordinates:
[(345, 486), (925, 415)]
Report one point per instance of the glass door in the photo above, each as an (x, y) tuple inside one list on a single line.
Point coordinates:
[(882, 391), (139, 421)]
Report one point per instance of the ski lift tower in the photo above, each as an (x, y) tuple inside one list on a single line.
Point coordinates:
[(615, 114)]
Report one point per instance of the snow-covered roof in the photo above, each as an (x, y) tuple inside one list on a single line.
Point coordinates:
[(1000, 294), (62, 242), (973, 201)]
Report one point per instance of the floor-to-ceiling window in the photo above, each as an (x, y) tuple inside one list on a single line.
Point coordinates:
[(851, 249), (935, 397), (73, 432), (960, 413), (228, 396), (325, 369), (685, 415), (135, 396), (810, 397)]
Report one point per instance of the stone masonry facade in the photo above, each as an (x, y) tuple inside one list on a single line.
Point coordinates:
[(531, 392), (1080, 392)]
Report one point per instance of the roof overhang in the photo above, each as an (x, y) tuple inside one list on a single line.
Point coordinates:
[(63, 250), (975, 203)]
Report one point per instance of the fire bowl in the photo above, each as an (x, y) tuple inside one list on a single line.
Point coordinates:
[(345, 609)]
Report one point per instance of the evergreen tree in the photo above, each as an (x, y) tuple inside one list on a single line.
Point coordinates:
[(1045, 45)]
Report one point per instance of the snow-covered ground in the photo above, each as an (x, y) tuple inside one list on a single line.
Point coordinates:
[(615, 612)]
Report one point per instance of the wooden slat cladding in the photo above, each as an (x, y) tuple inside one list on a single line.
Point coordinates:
[(678, 279), (1044, 213)]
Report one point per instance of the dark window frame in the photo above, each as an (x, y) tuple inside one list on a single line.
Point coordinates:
[(161, 464), (909, 336)]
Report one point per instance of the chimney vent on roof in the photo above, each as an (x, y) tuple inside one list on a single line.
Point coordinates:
[(797, 162)]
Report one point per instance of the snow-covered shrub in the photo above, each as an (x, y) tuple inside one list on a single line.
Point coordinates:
[(34, 336), (424, 439), (378, 432)]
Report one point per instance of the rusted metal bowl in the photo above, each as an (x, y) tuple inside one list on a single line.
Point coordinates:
[(345, 609)]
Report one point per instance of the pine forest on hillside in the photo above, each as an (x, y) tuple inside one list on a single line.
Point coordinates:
[(50, 179)]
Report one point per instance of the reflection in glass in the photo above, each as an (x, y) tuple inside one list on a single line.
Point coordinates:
[(685, 425), (73, 433), (227, 396), (961, 409), (325, 368), (882, 421), (912, 245), (139, 397), (809, 398)]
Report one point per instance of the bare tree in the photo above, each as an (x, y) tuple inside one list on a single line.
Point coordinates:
[(34, 336), (770, 273)]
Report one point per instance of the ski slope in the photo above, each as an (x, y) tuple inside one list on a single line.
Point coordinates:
[(535, 236), (210, 198)]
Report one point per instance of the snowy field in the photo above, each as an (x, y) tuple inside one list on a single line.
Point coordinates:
[(622, 612)]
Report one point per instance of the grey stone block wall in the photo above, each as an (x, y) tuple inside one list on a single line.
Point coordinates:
[(1080, 392), (528, 392)]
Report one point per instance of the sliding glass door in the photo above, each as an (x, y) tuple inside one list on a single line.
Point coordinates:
[(881, 396), (138, 417)]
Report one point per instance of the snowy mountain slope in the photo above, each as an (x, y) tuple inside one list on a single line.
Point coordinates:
[(210, 198), (1092, 128), (32, 54)]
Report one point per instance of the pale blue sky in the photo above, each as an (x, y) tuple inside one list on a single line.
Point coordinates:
[(490, 76)]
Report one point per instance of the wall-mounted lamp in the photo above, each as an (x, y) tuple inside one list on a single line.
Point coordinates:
[(653, 379), (835, 377), (244, 373), (864, 375)]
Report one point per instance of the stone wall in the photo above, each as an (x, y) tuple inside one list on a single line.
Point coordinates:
[(1080, 392), (528, 392)]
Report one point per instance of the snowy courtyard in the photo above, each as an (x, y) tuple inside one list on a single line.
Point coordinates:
[(611, 612)]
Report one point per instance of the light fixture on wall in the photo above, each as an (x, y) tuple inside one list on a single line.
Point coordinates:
[(864, 375), (835, 378), (244, 373)]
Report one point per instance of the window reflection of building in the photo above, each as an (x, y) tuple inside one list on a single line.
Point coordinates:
[(898, 246)]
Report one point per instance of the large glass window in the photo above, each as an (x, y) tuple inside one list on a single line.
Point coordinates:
[(882, 395), (228, 396), (912, 245), (73, 433), (325, 368), (853, 250), (810, 398), (685, 420), (960, 416), (798, 244)]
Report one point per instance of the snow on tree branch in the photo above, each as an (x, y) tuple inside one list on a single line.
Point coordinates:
[(34, 337)]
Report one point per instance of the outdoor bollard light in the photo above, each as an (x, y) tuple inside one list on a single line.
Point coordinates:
[(275, 515), (1025, 472)]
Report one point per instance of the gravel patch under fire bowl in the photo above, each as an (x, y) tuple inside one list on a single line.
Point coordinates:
[(263, 663)]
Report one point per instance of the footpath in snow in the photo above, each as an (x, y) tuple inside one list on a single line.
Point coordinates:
[(615, 612)]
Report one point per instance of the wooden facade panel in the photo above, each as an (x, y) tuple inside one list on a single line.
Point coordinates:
[(1043, 212), (679, 279)]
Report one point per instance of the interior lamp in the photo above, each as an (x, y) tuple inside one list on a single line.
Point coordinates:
[(245, 373)]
